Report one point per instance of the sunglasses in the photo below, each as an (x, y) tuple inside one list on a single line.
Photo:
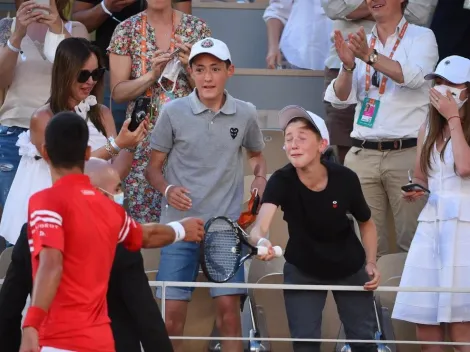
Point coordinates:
[(376, 79), (95, 75)]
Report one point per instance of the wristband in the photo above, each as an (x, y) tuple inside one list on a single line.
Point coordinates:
[(261, 240), (114, 145), (261, 177), (34, 318), (166, 190), (180, 233), (12, 47), (453, 117), (105, 9)]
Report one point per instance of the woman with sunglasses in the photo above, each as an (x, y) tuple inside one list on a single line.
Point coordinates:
[(77, 75)]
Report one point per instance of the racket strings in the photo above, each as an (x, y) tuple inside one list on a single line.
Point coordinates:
[(222, 250)]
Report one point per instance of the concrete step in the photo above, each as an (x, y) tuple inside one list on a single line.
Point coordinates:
[(274, 89), (240, 26)]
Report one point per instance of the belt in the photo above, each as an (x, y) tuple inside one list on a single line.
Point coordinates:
[(396, 144)]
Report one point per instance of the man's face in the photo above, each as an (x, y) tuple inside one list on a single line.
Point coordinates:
[(381, 9), (210, 75)]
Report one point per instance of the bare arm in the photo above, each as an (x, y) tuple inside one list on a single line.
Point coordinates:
[(419, 176), (123, 87), (154, 173), (47, 278), (274, 29), (157, 235), (257, 163), (369, 240), (389, 68), (8, 58), (263, 222), (37, 127), (92, 16), (343, 85), (460, 148)]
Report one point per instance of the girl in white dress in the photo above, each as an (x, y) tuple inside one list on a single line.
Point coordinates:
[(439, 255), (77, 74)]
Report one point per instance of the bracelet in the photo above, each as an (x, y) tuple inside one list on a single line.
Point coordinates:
[(114, 144), (13, 48), (261, 240), (261, 177), (180, 233), (453, 117), (34, 318), (110, 149), (349, 69), (166, 190), (130, 150), (105, 9)]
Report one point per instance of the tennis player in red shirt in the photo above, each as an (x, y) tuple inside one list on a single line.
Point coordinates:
[(73, 230)]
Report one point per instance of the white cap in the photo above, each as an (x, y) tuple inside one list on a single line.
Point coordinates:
[(455, 69), (292, 111), (211, 46)]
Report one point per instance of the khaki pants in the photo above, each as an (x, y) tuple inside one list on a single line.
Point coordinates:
[(382, 174)]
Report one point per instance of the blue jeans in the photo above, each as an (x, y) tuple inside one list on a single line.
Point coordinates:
[(9, 159), (180, 262), (118, 110)]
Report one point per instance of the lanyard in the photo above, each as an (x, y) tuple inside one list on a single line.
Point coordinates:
[(384, 78), (143, 44)]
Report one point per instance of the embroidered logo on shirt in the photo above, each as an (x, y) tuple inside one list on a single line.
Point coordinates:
[(234, 132), (207, 43), (335, 204)]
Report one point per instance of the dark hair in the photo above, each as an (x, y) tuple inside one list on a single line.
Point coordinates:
[(436, 123), (62, 8), (66, 140), (310, 126), (403, 6), (71, 55)]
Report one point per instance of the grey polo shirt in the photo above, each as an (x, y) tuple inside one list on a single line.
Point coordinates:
[(205, 154)]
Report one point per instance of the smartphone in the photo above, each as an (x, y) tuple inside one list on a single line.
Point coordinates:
[(414, 187), (42, 2), (141, 109)]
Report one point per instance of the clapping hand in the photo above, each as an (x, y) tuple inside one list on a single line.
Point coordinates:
[(343, 50), (359, 46)]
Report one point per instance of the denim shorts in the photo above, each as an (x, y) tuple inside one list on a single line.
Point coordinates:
[(9, 159), (180, 262)]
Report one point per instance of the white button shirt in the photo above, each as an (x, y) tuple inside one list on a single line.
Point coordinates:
[(305, 39), (403, 107), (417, 12)]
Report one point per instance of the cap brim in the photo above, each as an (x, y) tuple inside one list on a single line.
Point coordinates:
[(435, 75), (292, 111), (191, 58)]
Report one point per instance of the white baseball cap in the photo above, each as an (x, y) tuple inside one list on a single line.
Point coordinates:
[(211, 46), (455, 69), (292, 111)]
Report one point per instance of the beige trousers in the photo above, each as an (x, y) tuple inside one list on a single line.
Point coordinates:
[(382, 174)]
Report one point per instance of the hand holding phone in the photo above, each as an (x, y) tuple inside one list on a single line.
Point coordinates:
[(414, 187)]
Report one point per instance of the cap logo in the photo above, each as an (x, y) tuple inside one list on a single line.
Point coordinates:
[(207, 43), (447, 62)]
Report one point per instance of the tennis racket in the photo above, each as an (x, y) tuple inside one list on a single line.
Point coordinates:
[(222, 251)]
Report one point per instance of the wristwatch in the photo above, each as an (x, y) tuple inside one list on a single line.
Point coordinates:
[(373, 57)]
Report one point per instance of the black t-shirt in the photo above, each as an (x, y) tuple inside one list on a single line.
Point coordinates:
[(322, 241), (106, 30), (451, 26)]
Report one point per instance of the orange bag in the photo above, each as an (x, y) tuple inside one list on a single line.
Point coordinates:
[(248, 217)]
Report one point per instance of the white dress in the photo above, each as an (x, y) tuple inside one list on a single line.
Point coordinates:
[(34, 175), (439, 255)]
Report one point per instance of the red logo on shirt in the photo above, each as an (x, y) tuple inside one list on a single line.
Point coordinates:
[(335, 204)]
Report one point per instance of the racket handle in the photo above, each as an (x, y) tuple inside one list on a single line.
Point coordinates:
[(262, 250)]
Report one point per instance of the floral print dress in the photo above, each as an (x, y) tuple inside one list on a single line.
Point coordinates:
[(144, 201)]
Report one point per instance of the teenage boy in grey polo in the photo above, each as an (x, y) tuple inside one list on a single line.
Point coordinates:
[(202, 135)]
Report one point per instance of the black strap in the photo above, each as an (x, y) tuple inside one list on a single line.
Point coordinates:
[(387, 145)]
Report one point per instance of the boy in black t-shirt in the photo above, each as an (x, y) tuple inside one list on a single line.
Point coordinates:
[(323, 249)]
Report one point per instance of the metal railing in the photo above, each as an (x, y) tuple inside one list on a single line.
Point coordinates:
[(165, 284)]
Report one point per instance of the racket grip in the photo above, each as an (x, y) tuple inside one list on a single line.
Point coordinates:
[(262, 250)]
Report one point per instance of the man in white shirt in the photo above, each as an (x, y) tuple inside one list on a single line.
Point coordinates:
[(348, 16), (297, 30), (383, 73)]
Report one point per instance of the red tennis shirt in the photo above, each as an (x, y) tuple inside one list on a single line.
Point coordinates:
[(75, 218)]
